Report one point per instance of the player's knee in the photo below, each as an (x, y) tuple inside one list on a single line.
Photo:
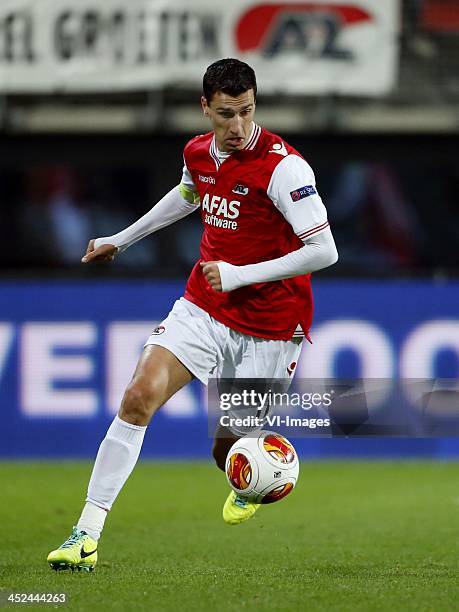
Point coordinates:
[(141, 400)]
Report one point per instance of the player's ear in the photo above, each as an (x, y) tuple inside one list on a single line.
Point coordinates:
[(205, 107)]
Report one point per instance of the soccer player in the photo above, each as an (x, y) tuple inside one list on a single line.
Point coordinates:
[(248, 303)]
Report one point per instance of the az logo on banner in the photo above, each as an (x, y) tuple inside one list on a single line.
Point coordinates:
[(347, 47), (274, 28)]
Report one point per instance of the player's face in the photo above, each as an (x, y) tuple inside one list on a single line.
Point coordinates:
[(231, 119)]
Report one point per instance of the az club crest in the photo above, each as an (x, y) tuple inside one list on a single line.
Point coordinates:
[(240, 189)]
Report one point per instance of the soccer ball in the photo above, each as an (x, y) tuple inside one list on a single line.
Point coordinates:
[(262, 467)]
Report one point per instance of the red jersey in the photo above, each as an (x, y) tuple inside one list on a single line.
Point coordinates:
[(243, 226)]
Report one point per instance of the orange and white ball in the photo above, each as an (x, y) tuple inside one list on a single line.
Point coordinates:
[(262, 467)]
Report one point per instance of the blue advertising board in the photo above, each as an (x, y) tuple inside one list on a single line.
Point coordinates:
[(68, 349)]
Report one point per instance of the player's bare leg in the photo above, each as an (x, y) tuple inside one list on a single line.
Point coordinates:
[(237, 509), (159, 374), (223, 441)]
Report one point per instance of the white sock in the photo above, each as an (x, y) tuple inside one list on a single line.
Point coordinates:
[(92, 520), (115, 460)]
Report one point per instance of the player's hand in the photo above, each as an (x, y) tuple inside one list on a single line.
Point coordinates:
[(212, 274), (106, 252)]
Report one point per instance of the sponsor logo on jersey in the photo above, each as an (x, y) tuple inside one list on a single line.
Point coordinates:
[(207, 179), (273, 29), (302, 192), (220, 212), (158, 330), (240, 189), (279, 148)]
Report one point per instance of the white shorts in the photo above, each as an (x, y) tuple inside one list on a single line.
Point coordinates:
[(209, 348)]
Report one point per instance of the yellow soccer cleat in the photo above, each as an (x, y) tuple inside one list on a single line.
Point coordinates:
[(237, 509), (78, 552)]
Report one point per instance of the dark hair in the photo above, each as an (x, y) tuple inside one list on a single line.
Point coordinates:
[(230, 76)]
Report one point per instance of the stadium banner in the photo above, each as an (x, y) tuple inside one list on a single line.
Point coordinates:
[(321, 47), (68, 349)]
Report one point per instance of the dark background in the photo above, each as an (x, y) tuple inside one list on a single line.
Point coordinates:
[(392, 199)]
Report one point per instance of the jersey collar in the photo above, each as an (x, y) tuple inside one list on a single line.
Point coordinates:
[(250, 145)]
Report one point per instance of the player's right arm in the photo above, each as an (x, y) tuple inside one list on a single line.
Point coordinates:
[(181, 201)]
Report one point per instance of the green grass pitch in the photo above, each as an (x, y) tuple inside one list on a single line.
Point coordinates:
[(351, 537)]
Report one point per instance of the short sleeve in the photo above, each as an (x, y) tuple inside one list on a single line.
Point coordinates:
[(187, 187), (293, 191), (187, 179)]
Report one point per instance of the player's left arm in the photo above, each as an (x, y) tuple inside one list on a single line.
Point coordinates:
[(293, 191)]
